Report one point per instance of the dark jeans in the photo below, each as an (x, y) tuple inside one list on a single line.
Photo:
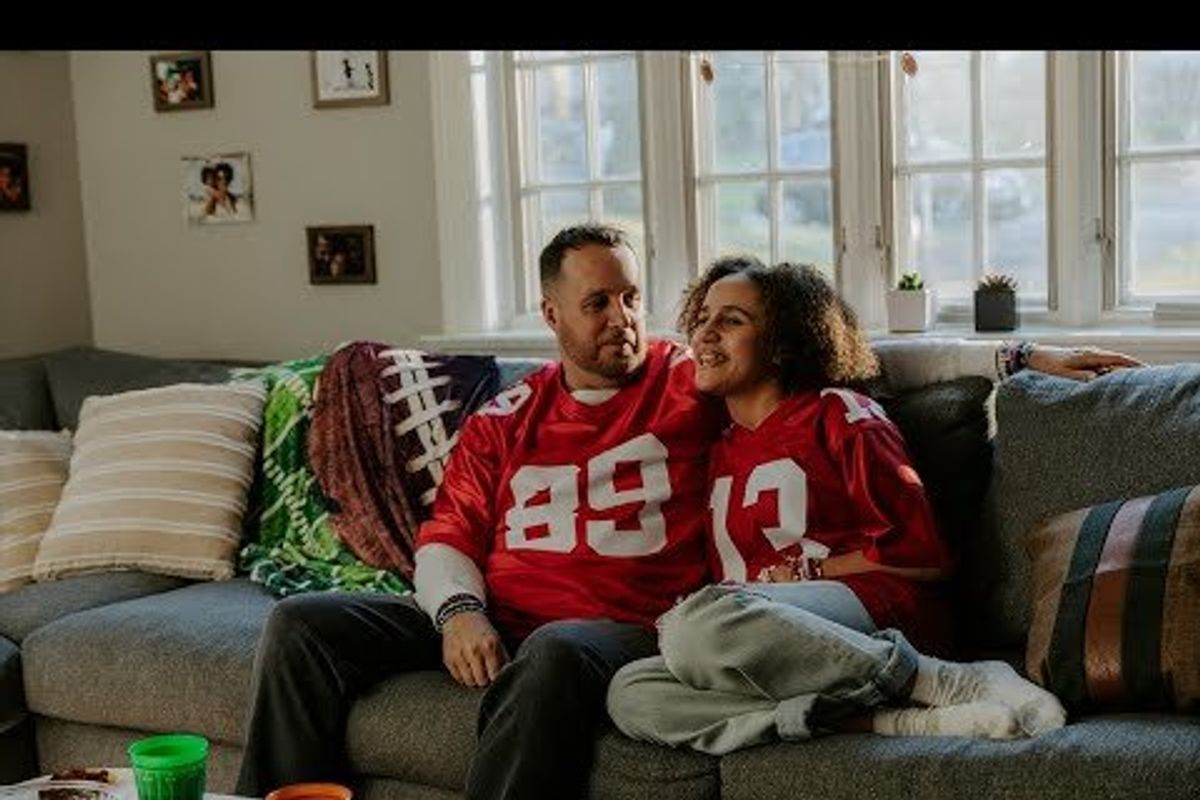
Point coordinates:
[(537, 722)]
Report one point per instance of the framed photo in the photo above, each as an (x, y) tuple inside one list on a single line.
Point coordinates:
[(14, 177), (181, 81), (341, 254), (343, 78), (218, 189)]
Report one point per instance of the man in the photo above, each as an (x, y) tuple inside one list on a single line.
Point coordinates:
[(571, 515)]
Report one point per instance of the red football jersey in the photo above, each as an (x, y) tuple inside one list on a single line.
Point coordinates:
[(573, 510), (829, 474)]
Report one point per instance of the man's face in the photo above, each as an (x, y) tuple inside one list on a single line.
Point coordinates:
[(594, 307)]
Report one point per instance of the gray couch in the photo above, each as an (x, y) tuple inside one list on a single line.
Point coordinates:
[(88, 664)]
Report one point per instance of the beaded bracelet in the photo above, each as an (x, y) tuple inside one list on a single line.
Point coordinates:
[(456, 604), (1014, 357)]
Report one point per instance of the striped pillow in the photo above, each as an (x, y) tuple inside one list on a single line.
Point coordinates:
[(33, 469), (1116, 600), (158, 483)]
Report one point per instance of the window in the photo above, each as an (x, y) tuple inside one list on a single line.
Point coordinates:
[(578, 140), (969, 176), (1155, 162), (1076, 171), (764, 179)]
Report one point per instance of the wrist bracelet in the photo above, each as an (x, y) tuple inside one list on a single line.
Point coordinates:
[(456, 604)]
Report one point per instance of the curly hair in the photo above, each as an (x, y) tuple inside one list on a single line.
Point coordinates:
[(810, 334)]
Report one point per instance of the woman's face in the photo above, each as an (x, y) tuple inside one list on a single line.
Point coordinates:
[(726, 342)]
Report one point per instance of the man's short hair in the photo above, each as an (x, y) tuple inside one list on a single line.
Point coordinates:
[(573, 238)]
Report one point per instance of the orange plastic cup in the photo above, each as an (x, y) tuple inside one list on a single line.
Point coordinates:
[(311, 791)]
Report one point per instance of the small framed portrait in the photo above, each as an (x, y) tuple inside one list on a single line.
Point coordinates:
[(341, 254), (14, 177), (343, 78), (218, 189), (181, 81)]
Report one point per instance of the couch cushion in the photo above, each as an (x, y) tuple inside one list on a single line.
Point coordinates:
[(12, 693), (79, 372), (1116, 756), (420, 728), (159, 482), (25, 402), (945, 427), (1063, 445), (1116, 600), (33, 469), (180, 660), (30, 607)]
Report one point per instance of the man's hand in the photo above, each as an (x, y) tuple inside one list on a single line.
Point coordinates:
[(471, 649), (1080, 363)]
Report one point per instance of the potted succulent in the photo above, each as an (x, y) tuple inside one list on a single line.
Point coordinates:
[(910, 306), (996, 302)]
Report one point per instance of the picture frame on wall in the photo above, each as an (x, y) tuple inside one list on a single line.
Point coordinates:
[(181, 81), (218, 189), (341, 254), (347, 78), (14, 177)]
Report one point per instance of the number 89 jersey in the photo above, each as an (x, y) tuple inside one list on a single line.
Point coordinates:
[(824, 475), (572, 510)]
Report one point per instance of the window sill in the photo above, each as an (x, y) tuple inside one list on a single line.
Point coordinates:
[(1159, 344)]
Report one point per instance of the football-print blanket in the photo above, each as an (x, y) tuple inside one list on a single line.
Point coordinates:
[(383, 425)]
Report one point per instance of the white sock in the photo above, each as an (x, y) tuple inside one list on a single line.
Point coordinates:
[(949, 683), (980, 720)]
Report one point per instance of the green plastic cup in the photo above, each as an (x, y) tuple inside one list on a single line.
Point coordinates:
[(170, 767)]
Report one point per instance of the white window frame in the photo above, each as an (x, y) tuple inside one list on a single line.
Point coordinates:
[(476, 318), (975, 165), (1119, 158), (708, 178)]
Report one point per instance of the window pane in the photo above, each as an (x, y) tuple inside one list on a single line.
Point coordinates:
[(1165, 94), (807, 231), (1016, 232), (543, 55), (619, 135), (803, 80), (743, 222), (623, 208), (561, 141), (740, 112), (557, 210), (1014, 103), (938, 105), (1165, 228), (940, 238)]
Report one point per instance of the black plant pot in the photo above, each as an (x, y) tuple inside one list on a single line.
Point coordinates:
[(995, 311)]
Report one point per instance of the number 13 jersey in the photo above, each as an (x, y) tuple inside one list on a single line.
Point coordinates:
[(573, 510), (828, 474)]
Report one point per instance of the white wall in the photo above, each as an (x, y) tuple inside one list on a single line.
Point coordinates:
[(43, 284), (163, 286)]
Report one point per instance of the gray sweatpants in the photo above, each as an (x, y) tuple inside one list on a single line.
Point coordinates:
[(743, 665)]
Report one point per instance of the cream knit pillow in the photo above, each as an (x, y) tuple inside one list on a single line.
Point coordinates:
[(33, 469), (158, 482)]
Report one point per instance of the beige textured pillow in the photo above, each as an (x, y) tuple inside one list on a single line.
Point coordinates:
[(33, 469), (158, 482)]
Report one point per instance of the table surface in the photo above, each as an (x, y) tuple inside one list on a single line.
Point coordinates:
[(127, 789)]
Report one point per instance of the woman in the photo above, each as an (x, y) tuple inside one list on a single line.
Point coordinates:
[(826, 543)]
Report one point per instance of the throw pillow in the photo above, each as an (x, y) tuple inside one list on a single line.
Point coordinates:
[(1063, 445), (33, 469), (1116, 597), (158, 482)]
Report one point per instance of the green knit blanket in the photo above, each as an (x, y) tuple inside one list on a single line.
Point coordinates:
[(292, 546)]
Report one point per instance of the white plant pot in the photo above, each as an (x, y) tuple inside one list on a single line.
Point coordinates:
[(911, 310)]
